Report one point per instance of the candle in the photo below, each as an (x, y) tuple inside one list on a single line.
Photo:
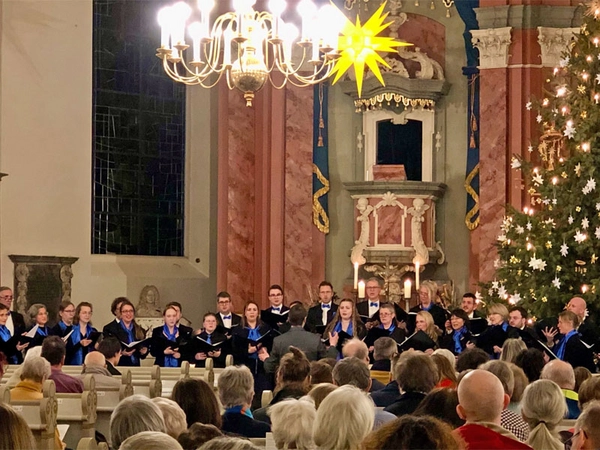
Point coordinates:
[(417, 274), (361, 289), (355, 275), (407, 288), (584, 288)]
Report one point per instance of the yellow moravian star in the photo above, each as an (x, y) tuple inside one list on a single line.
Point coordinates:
[(359, 46)]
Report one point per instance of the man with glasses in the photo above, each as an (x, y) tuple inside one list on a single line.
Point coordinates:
[(369, 309), (587, 432), (276, 314), (15, 322), (225, 317)]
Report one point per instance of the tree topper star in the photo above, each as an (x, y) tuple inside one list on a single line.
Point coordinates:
[(359, 46)]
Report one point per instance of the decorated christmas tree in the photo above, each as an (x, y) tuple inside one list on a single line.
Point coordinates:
[(550, 251)]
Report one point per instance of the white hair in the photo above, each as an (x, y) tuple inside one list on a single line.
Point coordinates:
[(292, 423), (132, 416), (36, 369), (236, 386), (175, 419), (446, 354), (543, 406), (150, 440)]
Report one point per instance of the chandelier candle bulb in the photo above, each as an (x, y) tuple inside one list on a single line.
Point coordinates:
[(361, 289)]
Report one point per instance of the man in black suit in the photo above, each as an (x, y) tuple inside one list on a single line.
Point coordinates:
[(478, 321), (309, 343), (321, 314), (225, 316), (15, 322), (110, 329), (276, 314), (586, 329), (370, 307), (110, 347), (517, 317)]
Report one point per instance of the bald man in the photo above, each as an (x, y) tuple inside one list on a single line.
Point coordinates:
[(562, 373), (586, 329), (95, 364), (356, 348), (481, 399)]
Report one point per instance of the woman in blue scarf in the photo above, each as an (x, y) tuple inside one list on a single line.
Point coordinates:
[(492, 339), (38, 315), (9, 344), (251, 344), (66, 312), (568, 347), (82, 338), (346, 319), (458, 337), (128, 331), (167, 339)]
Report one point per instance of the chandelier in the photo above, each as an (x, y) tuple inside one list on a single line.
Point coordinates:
[(248, 47)]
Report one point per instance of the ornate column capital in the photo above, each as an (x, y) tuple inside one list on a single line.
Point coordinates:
[(553, 42), (493, 45)]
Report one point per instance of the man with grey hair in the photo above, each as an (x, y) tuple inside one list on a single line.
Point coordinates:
[(36, 369), (352, 371), (587, 432), (510, 420), (384, 349), (236, 390), (132, 416), (95, 364), (562, 374), (356, 348)]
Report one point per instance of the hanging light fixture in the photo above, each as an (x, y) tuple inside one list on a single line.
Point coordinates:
[(247, 46)]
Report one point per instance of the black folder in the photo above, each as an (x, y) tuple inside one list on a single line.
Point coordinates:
[(273, 319), (202, 346), (343, 337), (477, 325), (543, 348), (374, 334), (418, 341), (136, 345)]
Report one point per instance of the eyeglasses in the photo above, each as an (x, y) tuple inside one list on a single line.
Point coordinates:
[(373, 287), (569, 442), (6, 297), (275, 295), (222, 302), (69, 310), (127, 311)]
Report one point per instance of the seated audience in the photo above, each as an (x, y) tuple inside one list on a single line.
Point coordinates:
[(127, 331), (173, 415), (521, 383), (562, 374), (447, 354), (292, 379), (481, 400), (236, 389), (446, 372), (383, 351), (198, 401), (229, 443), (54, 351), (82, 338), (292, 424), (532, 362), (38, 315), (543, 407), (589, 391), (441, 403), (409, 432), (110, 347), (587, 431), (358, 349), (416, 377), (167, 339), (511, 349), (320, 372), (320, 391), (132, 416), (35, 371), (352, 371), (198, 434), (343, 420), (95, 364), (16, 375), (14, 431), (510, 420), (471, 359), (581, 374), (150, 440)]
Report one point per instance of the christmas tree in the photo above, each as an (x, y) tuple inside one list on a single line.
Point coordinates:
[(550, 251)]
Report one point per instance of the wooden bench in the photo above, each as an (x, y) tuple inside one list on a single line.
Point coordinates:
[(78, 411), (91, 444), (108, 399), (145, 382), (40, 415)]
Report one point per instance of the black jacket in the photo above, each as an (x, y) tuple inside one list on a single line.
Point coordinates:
[(447, 341), (160, 343), (314, 318)]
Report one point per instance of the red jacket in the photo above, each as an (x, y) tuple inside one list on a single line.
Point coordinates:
[(480, 437)]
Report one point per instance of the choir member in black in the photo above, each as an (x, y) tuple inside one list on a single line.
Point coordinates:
[(427, 296), (276, 309), (586, 329), (15, 323), (478, 321), (492, 339), (388, 326), (167, 340), (369, 309), (84, 334), (517, 318), (183, 329), (66, 313), (127, 331), (38, 315), (320, 315), (424, 322), (568, 346), (226, 318), (115, 308), (249, 352), (209, 335), (9, 344), (346, 319), (458, 337)]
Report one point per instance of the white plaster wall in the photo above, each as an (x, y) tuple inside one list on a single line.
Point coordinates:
[(46, 150)]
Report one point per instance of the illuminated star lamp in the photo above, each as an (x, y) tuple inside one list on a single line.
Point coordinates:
[(361, 45)]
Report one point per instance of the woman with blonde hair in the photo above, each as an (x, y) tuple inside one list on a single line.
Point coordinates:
[(428, 302), (543, 407), (493, 338), (511, 348), (425, 323), (14, 431)]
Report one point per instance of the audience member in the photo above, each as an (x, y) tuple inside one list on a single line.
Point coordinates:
[(198, 401), (587, 431), (416, 377), (343, 420), (320, 391), (446, 372), (14, 431), (320, 372), (391, 392), (581, 374), (198, 434), (510, 420), (110, 347), (521, 383), (562, 374), (173, 415), (95, 364), (132, 416), (229, 443), (447, 354), (441, 403), (511, 349), (54, 351), (16, 375), (357, 348), (481, 401), (150, 440), (543, 407), (236, 389), (409, 432), (471, 359), (532, 362), (292, 424), (589, 391), (384, 350)]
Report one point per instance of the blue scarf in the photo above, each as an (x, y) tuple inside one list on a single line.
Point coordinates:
[(170, 360), (456, 336), (130, 338), (338, 328), (253, 335), (64, 328), (560, 352), (504, 326), (5, 336), (390, 329), (428, 308), (42, 331), (76, 337), (240, 409)]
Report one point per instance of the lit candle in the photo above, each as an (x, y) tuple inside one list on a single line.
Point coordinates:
[(584, 288), (417, 274), (361, 289), (407, 288), (355, 275)]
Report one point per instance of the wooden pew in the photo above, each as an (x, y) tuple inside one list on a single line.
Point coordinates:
[(108, 399), (79, 412), (205, 373), (145, 382), (90, 444), (40, 415)]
